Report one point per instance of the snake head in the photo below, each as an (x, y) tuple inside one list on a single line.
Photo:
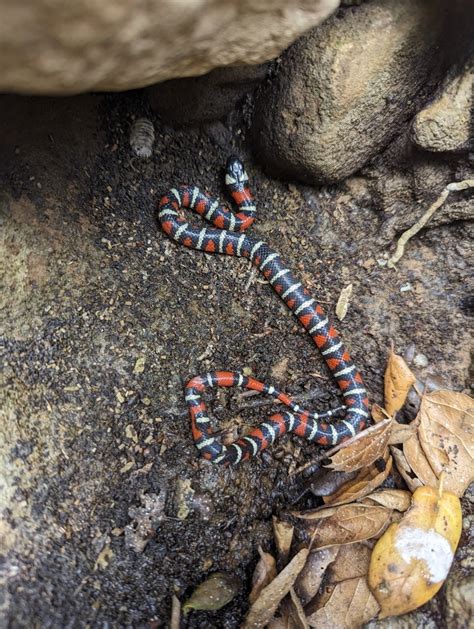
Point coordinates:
[(235, 171)]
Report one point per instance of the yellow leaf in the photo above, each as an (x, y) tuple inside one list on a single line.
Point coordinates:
[(397, 382), (411, 560)]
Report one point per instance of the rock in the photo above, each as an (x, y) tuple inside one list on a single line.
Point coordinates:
[(341, 93), (194, 100), (444, 125), (51, 48)]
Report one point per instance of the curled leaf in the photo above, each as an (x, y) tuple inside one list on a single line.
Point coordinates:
[(397, 382), (397, 499), (309, 580), (264, 573), (215, 592), (404, 469), (266, 604), (363, 484), (411, 560), (418, 462)]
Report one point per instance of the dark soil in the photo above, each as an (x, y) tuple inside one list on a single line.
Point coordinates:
[(91, 285)]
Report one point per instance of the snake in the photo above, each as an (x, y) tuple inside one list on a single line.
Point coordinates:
[(228, 236)]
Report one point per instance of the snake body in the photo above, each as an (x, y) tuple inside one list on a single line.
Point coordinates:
[(228, 237)]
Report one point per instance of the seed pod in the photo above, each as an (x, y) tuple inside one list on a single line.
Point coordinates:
[(142, 137)]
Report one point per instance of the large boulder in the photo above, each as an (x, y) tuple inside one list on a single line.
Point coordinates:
[(445, 124), (69, 47), (342, 92)]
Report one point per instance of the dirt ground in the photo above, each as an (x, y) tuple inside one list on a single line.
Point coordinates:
[(91, 286)]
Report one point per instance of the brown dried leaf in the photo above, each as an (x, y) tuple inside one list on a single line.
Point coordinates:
[(402, 432), (349, 606), (404, 469), (353, 561), (397, 499), (296, 612), (265, 572), (378, 413), (265, 606), (365, 482), (346, 524), (175, 621), (446, 435), (343, 302), (309, 580), (418, 462), (397, 382), (215, 592), (283, 533), (346, 600), (363, 449)]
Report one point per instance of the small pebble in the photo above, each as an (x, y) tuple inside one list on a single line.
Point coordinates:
[(420, 360)]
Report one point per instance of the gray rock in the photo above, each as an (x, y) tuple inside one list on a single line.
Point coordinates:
[(71, 47), (207, 98), (342, 92), (445, 124)]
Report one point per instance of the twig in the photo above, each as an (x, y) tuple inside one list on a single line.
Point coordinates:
[(414, 229)]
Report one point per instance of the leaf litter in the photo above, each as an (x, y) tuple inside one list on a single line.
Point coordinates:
[(327, 582)]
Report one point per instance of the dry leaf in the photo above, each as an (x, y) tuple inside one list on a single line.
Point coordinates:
[(378, 413), (175, 621), (283, 533), (309, 580), (362, 450), (265, 606), (404, 469), (349, 606), (397, 382), (215, 592), (352, 561), (402, 432), (346, 600), (412, 559), (264, 574), (327, 482), (418, 462), (446, 435), (345, 524), (296, 612), (343, 302), (365, 482), (397, 499)]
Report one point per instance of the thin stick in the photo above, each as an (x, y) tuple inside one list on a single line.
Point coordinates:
[(414, 229)]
